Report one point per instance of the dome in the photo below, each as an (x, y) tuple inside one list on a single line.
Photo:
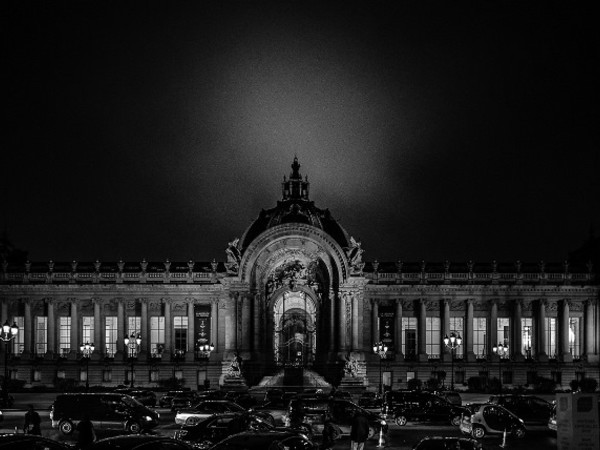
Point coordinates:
[(295, 207)]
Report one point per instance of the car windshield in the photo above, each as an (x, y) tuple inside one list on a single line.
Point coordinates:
[(131, 402)]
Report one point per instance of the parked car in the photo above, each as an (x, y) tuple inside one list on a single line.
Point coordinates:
[(450, 396), (341, 413), (144, 396), (492, 419), (446, 443), (530, 408), (369, 400), (207, 408), (106, 411), (138, 442), (392, 399), (218, 426), (262, 440), (166, 399), (552, 425), (183, 400), (30, 441), (428, 407)]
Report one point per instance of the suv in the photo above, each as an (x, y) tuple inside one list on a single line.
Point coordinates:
[(427, 407), (530, 408), (105, 410)]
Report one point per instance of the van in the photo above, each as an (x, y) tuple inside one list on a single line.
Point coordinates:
[(105, 410)]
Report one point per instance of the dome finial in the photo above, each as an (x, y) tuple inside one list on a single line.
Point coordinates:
[(296, 169)]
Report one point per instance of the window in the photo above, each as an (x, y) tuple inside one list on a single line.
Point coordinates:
[(180, 324), (479, 334), (19, 340), (64, 335), (134, 327), (526, 335), (111, 333), (178, 374), (107, 375), (574, 338), (154, 375), (550, 337), (409, 343), (157, 335), (432, 337), (88, 329), (83, 375), (503, 331), (457, 326), (37, 375), (459, 377), (41, 335), (557, 376), (129, 374)]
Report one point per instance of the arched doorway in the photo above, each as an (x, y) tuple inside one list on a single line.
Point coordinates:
[(295, 332)]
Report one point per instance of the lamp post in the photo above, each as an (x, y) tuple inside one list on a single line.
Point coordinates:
[(8, 334), (501, 350), (203, 352), (452, 342), (86, 350), (380, 349), (132, 343)]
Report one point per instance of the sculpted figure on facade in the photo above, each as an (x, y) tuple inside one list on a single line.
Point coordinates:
[(354, 253), (351, 366), (234, 257)]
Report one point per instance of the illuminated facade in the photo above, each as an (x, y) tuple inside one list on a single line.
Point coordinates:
[(295, 293)]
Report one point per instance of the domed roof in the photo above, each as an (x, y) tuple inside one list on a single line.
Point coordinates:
[(295, 207)]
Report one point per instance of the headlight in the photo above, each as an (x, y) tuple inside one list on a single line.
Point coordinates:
[(148, 418), (383, 422)]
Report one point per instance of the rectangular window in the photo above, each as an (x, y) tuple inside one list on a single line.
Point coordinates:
[(64, 335), (41, 335), (457, 327), (154, 375), (88, 329), (479, 336), (551, 337), (503, 331), (111, 333), (19, 340), (507, 377), (409, 343), (37, 375), (107, 375), (157, 335), (459, 377), (574, 337), (180, 325), (556, 376), (531, 377), (134, 327), (83, 374), (432, 337), (526, 335)]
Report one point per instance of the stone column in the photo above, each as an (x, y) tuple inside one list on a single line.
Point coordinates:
[(246, 324), (51, 328), (375, 321), (493, 333), (565, 351), (355, 344), (121, 329), (231, 322), (398, 336), (332, 321), (542, 356), (145, 322), (591, 355), (74, 327), (28, 349), (191, 333), (517, 347), (422, 345), (257, 329), (342, 322), (4, 313), (468, 337), (446, 355), (214, 323), (99, 344), (168, 350)]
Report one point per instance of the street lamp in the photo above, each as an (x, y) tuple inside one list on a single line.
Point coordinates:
[(87, 349), (203, 352), (500, 350), (380, 349), (132, 343), (452, 342), (8, 334)]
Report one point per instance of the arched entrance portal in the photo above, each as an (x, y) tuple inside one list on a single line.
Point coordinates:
[(295, 333)]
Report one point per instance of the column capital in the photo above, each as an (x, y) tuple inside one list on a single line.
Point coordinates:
[(567, 302), (543, 302)]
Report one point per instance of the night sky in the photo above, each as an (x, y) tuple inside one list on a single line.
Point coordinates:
[(431, 130)]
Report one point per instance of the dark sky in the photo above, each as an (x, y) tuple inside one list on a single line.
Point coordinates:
[(432, 130)]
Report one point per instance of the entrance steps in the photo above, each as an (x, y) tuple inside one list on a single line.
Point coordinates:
[(309, 379)]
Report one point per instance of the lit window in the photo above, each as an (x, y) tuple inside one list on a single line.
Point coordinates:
[(479, 335), (409, 331), (432, 336), (157, 335), (111, 333), (64, 335), (456, 327), (551, 337), (19, 340), (41, 335), (180, 324), (88, 329)]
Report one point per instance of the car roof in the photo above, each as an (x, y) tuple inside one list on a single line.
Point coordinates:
[(27, 439)]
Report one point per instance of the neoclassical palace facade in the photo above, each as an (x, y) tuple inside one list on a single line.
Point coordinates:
[(294, 292)]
